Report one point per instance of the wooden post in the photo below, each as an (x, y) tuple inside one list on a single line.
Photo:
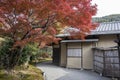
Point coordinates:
[(104, 63), (66, 54), (81, 56)]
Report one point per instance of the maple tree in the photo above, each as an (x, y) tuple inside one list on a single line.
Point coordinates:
[(27, 21)]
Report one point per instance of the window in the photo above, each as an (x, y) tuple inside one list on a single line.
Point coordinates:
[(74, 52)]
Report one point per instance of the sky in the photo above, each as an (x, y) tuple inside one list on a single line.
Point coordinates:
[(107, 7)]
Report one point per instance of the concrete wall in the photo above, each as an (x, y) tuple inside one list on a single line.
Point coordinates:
[(87, 55), (106, 41), (74, 62), (63, 59), (73, 45)]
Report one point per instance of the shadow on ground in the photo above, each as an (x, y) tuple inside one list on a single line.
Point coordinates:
[(54, 72)]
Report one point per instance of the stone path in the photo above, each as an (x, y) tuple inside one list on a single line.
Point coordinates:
[(58, 73)]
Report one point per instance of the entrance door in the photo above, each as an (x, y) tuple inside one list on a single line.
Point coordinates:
[(74, 55), (56, 56)]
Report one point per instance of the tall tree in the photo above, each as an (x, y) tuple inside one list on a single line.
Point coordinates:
[(25, 21)]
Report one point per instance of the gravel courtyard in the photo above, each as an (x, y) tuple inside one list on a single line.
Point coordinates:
[(58, 73)]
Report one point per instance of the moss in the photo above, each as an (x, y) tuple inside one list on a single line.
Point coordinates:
[(44, 60), (21, 73), (4, 76), (32, 77)]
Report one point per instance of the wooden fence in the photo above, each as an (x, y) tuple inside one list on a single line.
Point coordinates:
[(107, 61)]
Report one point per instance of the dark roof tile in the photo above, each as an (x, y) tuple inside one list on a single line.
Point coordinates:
[(103, 28), (107, 28)]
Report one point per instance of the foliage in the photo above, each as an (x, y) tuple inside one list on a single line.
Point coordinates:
[(42, 54), (35, 20), (45, 52), (109, 18), (45, 55), (29, 50), (5, 46), (4, 53), (29, 21)]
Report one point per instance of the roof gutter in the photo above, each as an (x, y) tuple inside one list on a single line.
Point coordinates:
[(74, 41)]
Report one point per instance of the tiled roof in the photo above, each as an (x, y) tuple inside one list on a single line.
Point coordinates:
[(103, 28), (107, 28)]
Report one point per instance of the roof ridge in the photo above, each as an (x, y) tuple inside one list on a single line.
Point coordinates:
[(111, 22)]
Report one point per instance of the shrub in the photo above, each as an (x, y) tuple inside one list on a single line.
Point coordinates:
[(5, 53)]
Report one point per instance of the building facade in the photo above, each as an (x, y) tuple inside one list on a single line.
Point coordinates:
[(78, 53)]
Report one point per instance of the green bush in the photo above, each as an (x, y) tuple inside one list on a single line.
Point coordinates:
[(6, 52), (28, 53)]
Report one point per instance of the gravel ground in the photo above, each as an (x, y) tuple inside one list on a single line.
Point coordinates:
[(53, 72)]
